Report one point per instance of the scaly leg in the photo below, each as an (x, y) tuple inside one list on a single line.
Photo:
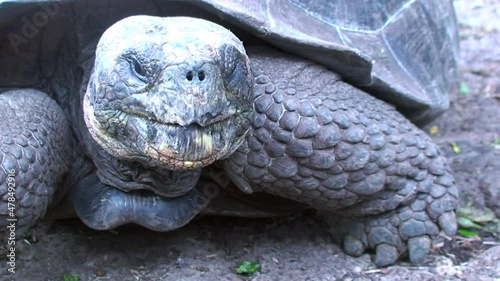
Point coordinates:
[(34, 154), (317, 140)]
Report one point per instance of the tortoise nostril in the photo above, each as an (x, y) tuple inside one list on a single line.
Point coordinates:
[(195, 75), (201, 75)]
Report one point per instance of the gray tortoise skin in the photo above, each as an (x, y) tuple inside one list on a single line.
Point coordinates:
[(341, 150), (36, 143), (313, 141)]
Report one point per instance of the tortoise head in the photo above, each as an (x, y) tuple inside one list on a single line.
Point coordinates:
[(171, 92)]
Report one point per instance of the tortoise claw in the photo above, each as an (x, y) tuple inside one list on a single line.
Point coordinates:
[(385, 255), (418, 248), (448, 223), (407, 229), (353, 247)]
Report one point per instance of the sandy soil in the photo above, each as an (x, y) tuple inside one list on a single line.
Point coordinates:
[(299, 247)]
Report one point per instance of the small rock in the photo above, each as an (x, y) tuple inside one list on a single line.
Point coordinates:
[(446, 269)]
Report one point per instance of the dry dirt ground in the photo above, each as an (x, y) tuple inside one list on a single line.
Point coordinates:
[(299, 247)]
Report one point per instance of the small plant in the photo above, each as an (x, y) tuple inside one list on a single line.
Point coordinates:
[(454, 147), (496, 143), (434, 130), (470, 220), (464, 89), (248, 268), (71, 277)]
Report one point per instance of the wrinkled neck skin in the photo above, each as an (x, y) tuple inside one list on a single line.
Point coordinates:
[(133, 175)]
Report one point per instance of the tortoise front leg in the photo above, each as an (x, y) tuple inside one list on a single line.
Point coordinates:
[(317, 140), (34, 154)]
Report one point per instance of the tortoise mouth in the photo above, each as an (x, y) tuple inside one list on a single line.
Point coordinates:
[(187, 146), (133, 136)]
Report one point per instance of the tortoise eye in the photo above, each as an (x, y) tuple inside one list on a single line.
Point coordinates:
[(235, 67), (137, 68)]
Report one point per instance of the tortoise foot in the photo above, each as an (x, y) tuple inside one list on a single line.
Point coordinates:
[(407, 230)]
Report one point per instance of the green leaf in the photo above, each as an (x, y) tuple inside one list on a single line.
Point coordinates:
[(455, 147), (248, 267), (464, 89), (467, 233), (71, 277), (467, 223), (463, 36), (477, 215)]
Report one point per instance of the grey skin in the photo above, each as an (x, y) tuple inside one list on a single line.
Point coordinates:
[(335, 148), (323, 144), (35, 155)]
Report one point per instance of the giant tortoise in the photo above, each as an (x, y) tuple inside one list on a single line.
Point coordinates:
[(154, 112)]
